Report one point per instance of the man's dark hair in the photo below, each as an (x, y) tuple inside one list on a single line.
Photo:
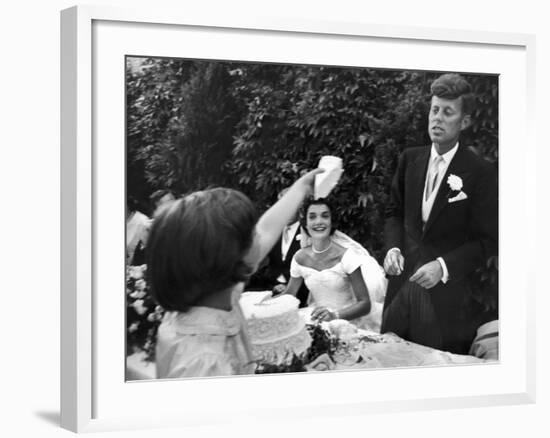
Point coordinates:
[(197, 245), (321, 201), (454, 86)]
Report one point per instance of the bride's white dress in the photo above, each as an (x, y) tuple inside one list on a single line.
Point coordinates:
[(332, 287)]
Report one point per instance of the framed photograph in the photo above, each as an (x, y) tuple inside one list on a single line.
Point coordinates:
[(118, 64)]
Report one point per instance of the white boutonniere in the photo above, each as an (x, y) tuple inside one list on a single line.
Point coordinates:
[(299, 237), (455, 184)]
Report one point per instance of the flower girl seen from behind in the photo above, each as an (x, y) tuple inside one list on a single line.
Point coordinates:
[(201, 251)]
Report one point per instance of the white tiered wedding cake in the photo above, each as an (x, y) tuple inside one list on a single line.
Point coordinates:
[(276, 329)]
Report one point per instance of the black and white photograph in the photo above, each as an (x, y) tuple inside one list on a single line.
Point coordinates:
[(290, 219), (287, 218)]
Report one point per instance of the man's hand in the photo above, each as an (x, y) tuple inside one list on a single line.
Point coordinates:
[(428, 275), (394, 262)]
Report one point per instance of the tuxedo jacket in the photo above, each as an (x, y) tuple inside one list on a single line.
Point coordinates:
[(464, 233), (277, 265)]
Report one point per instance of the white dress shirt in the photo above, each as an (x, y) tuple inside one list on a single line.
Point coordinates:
[(288, 234), (427, 204), (286, 241)]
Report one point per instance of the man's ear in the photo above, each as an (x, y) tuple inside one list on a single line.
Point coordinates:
[(466, 122)]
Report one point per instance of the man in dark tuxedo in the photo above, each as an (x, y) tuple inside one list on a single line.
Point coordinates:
[(278, 266), (274, 271), (441, 225)]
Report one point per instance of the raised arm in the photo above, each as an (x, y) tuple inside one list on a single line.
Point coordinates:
[(272, 222)]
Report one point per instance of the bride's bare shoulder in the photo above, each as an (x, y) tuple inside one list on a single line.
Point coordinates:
[(339, 250), (303, 255)]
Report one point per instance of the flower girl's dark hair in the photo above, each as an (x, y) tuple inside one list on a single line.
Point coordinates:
[(320, 201), (197, 245)]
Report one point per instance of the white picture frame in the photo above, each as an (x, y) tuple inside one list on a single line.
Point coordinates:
[(93, 398)]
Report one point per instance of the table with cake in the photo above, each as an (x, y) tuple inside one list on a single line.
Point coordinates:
[(285, 339)]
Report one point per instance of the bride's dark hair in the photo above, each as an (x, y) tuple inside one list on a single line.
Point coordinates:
[(320, 201), (197, 245)]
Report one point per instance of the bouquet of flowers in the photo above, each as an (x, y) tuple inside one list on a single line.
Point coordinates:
[(143, 315), (295, 365), (323, 342), (337, 342)]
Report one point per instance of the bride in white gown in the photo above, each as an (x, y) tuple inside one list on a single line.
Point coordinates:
[(344, 281)]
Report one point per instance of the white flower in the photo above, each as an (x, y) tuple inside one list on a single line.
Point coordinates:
[(140, 284), (133, 327), (139, 307), (136, 272), (137, 294), (342, 328), (348, 336), (455, 182)]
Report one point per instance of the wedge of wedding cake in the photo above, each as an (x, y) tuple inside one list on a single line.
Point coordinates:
[(276, 329)]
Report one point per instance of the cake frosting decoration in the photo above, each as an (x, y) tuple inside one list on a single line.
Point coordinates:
[(276, 329)]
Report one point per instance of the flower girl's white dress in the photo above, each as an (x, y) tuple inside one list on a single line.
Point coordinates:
[(203, 342)]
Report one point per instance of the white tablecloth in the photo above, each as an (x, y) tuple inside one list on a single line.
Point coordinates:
[(389, 352)]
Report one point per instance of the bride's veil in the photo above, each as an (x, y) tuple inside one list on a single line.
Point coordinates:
[(373, 274)]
